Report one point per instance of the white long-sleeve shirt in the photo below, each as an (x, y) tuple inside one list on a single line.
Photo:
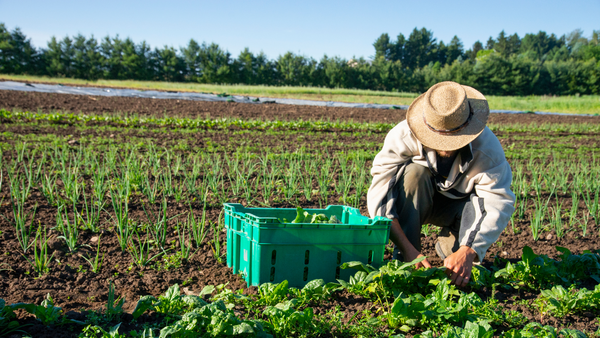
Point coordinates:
[(482, 171)]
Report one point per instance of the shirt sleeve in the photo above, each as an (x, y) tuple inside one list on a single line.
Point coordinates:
[(489, 210)]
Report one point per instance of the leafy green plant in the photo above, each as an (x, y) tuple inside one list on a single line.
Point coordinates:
[(271, 294), (537, 330), (95, 331), (284, 321), (8, 322)]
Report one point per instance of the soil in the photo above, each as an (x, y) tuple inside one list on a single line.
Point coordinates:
[(78, 290)]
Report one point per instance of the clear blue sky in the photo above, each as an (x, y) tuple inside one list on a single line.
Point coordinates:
[(311, 28)]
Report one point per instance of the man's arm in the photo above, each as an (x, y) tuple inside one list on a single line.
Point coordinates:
[(409, 252)]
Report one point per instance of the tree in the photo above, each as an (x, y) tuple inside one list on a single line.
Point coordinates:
[(54, 58), (215, 64), (454, 50), (17, 54), (472, 53), (540, 44), (383, 46), (420, 48), (191, 59), (295, 70), (168, 65)]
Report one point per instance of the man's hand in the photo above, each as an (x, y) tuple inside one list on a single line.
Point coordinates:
[(459, 265), (414, 254), (409, 252)]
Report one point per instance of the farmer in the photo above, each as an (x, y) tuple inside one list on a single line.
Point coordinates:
[(443, 166)]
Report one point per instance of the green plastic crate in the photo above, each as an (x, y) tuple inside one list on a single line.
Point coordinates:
[(263, 249)]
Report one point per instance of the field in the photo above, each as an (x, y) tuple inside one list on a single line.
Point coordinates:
[(587, 104), (112, 207)]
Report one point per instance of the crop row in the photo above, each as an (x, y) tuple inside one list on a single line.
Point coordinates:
[(403, 299)]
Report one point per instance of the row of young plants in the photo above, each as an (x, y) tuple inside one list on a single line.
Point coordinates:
[(135, 120), (87, 189), (403, 300)]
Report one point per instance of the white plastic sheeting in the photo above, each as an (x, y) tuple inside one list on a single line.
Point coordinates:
[(153, 94)]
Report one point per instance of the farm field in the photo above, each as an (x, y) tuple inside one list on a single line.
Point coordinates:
[(586, 104), (107, 197)]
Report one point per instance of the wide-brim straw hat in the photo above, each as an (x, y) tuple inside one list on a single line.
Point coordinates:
[(448, 116)]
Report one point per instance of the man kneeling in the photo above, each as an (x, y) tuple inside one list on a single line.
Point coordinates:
[(443, 166)]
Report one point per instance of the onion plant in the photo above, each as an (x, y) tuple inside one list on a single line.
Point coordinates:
[(41, 261), (22, 231), (591, 201), (538, 217), (291, 179), (96, 262), (69, 229), (121, 211), (198, 228), (556, 221), (140, 250), (306, 179), (324, 178), (48, 188), (574, 209)]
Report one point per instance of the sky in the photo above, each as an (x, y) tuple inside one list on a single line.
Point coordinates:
[(312, 28)]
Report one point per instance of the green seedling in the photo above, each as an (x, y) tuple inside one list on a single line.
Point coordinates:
[(41, 261), (96, 263)]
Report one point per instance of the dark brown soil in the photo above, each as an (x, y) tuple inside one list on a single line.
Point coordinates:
[(47, 102), (76, 289)]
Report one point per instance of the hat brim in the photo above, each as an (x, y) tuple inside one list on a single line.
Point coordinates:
[(448, 142)]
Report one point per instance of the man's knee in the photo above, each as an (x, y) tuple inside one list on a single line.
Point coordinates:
[(417, 178)]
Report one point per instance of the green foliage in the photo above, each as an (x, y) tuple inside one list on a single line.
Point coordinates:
[(536, 330), (537, 64), (284, 321), (95, 331), (535, 271), (306, 217), (8, 322), (213, 320)]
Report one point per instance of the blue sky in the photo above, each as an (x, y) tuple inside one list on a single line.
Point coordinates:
[(311, 28)]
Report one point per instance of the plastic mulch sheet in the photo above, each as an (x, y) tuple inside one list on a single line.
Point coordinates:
[(153, 94)]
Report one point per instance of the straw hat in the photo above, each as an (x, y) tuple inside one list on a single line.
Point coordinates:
[(448, 116)]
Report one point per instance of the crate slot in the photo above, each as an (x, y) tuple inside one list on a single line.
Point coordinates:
[(273, 257), (305, 273), (306, 256), (370, 259)]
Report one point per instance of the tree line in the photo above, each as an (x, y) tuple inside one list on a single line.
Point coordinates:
[(537, 64)]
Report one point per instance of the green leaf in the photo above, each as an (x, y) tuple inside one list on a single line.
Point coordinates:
[(207, 290), (143, 304), (172, 293), (242, 328)]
